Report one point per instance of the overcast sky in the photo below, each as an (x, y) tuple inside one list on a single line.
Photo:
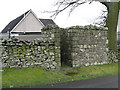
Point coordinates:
[(83, 15)]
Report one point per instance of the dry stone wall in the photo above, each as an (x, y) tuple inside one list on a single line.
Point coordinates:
[(89, 46), (75, 46), (84, 46), (28, 53)]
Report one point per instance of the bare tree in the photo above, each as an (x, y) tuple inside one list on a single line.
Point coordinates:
[(64, 4), (101, 20), (111, 19)]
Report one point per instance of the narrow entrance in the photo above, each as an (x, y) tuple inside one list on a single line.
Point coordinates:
[(65, 45)]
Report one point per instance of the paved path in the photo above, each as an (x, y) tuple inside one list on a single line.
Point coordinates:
[(101, 82)]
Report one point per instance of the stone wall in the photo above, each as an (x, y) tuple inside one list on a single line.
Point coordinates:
[(75, 46), (84, 46), (43, 52), (89, 46)]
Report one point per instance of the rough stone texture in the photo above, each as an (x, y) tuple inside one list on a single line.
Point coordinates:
[(27, 53), (75, 46), (118, 52), (84, 46), (89, 46), (52, 33)]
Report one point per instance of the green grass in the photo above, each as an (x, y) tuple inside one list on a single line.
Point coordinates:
[(39, 76), (92, 71), (29, 77), (0, 78)]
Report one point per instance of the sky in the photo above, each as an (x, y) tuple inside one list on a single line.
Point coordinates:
[(83, 15)]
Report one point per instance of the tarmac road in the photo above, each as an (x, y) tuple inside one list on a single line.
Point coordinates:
[(101, 82)]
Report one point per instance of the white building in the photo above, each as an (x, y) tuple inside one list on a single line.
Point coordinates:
[(27, 23)]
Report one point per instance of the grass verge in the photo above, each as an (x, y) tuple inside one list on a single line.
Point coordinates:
[(0, 78), (39, 76)]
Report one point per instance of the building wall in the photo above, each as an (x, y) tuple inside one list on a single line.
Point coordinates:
[(29, 37), (29, 24)]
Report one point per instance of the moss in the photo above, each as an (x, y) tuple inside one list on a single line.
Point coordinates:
[(87, 27), (50, 27), (111, 23)]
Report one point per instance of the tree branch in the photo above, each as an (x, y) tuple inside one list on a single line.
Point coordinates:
[(62, 5), (65, 4)]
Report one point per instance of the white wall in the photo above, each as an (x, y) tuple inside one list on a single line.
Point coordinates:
[(29, 24)]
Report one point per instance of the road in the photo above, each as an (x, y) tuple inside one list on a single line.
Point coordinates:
[(101, 82)]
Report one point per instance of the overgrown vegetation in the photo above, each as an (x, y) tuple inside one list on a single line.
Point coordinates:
[(27, 77)]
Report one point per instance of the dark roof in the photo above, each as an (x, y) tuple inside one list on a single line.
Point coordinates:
[(47, 22), (13, 23)]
